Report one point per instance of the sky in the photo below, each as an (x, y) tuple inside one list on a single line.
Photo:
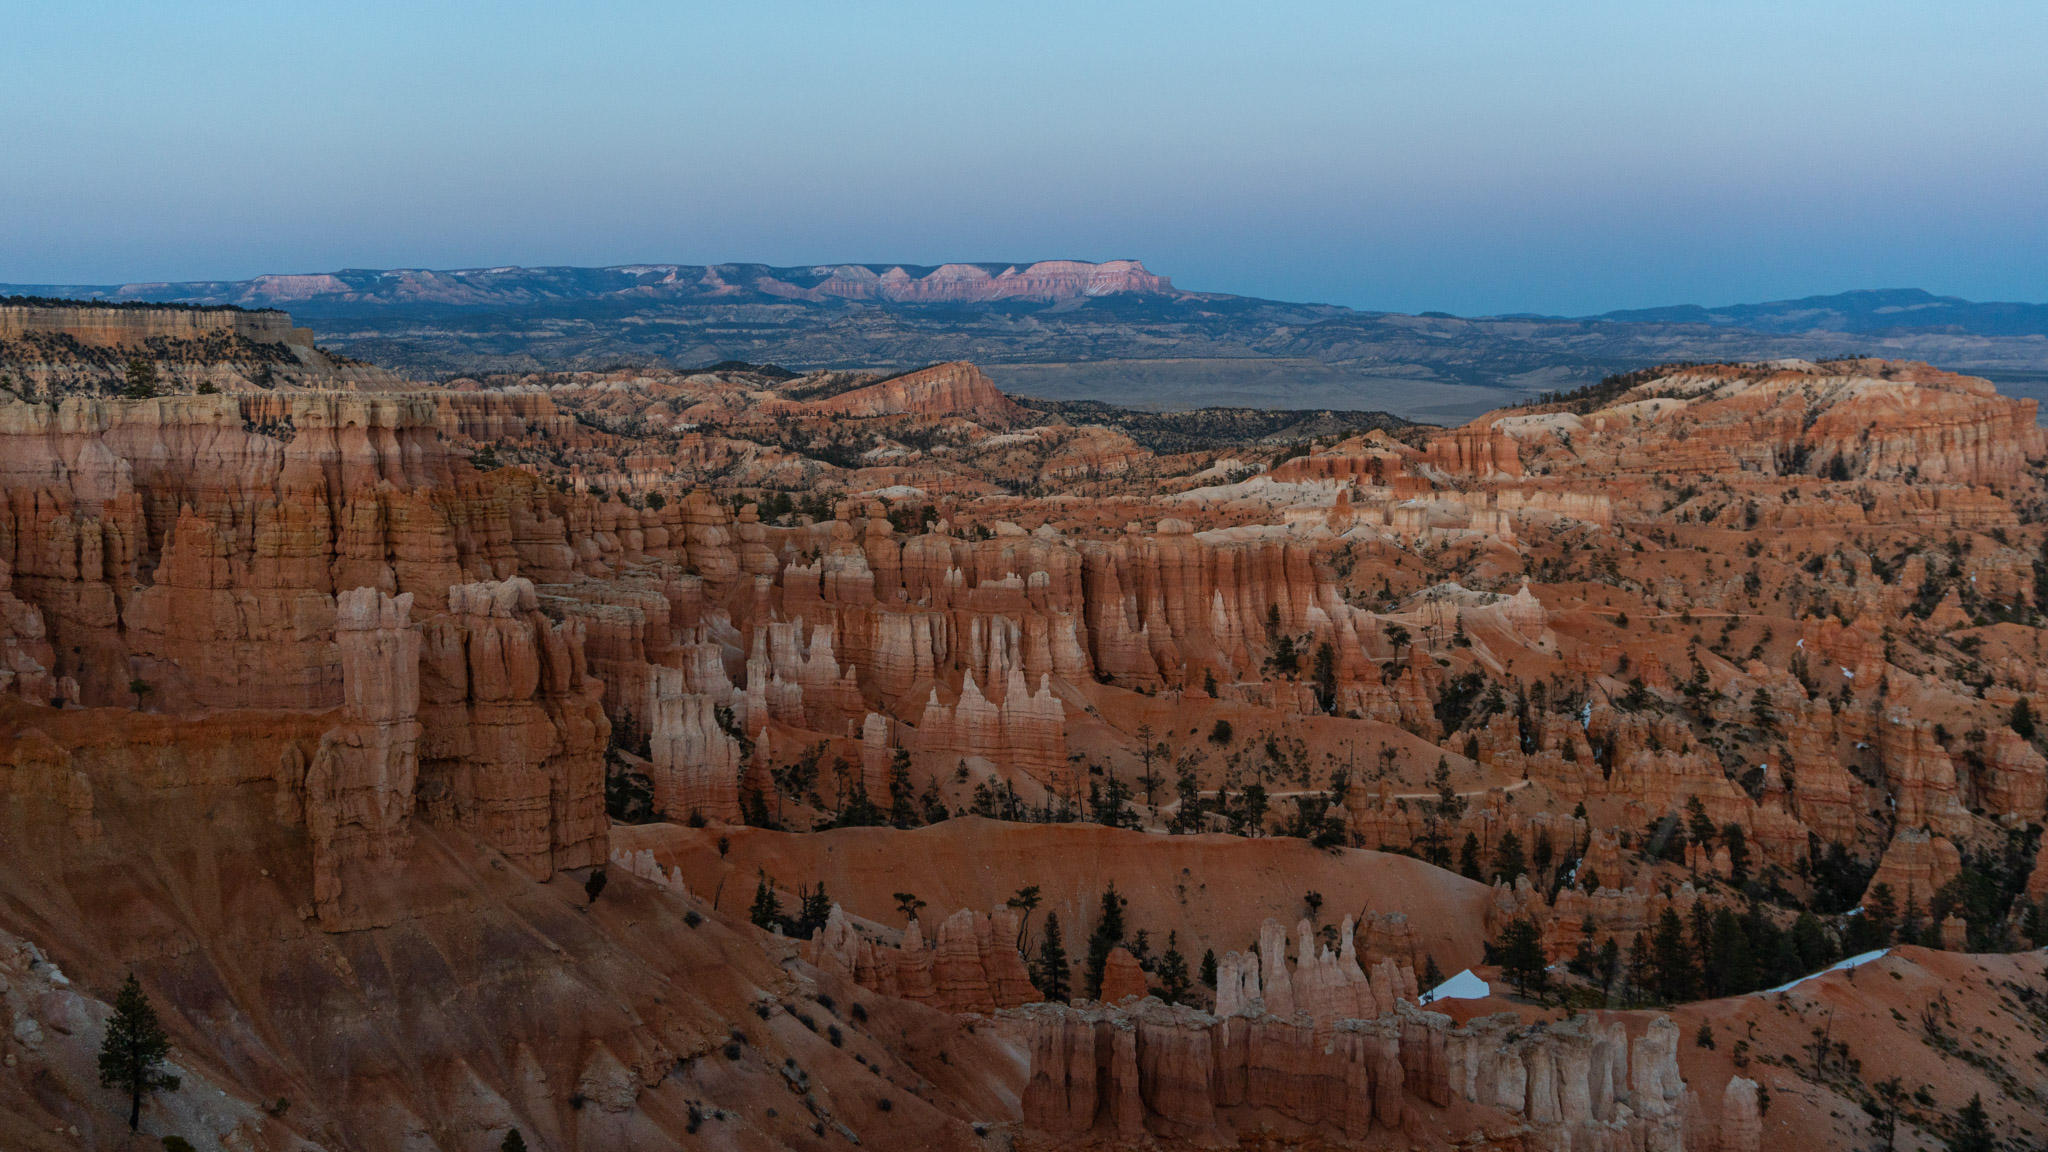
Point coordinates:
[(1473, 157)]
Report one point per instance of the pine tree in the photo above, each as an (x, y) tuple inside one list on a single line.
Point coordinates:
[(2022, 722), (933, 803), (1109, 932), (1468, 857), (132, 1056), (1026, 901), (1209, 967), (1738, 852), (514, 1142), (767, 909), (813, 909), (1050, 972), (140, 380), (1174, 984), (1638, 966), (1325, 676), (1912, 929), (1507, 858), (1973, 1129), (1731, 968), (902, 804), (1671, 960), (594, 886), (1760, 710), (1873, 928), (1884, 1124), (1520, 953), (1698, 822)]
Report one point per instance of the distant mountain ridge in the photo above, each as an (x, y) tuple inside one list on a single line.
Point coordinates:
[(1871, 310), (1075, 330), (354, 290)]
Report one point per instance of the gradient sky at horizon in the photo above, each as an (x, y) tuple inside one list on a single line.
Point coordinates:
[(1473, 157)]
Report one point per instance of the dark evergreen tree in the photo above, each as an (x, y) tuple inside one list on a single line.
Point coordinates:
[(1519, 951), (1913, 929), (1174, 984), (1697, 822), (1671, 960), (813, 907), (1810, 942), (514, 1142), (1884, 1121), (1973, 1129), (139, 380), (1872, 929), (1608, 964), (594, 886), (933, 803), (1325, 676), (1109, 932), (2022, 721), (1187, 812), (1468, 857), (132, 1055), (766, 911), (1209, 967), (902, 802), (861, 811), (1507, 858), (1738, 853), (1639, 967), (1050, 973), (1730, 969), (1026, 902)]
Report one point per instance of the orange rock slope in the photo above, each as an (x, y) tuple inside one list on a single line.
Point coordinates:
[(322, 708)]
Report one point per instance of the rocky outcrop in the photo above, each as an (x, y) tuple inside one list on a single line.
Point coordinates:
[(26, 655), (2015, 778), (59, 349), (1483, 453), (1742, 1124), (972, 966), (515, 729), (695, 764), (1915, 865), (1122, 979), (1024, 730), (359, 790), (1580, 1083), (955, 389)]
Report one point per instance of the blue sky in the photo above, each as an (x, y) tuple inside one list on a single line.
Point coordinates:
[(1467, 156)]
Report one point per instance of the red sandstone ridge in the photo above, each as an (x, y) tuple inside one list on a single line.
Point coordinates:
[(957, 389)]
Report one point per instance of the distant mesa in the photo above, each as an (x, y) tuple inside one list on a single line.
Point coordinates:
[(52, 347), (502, 287)]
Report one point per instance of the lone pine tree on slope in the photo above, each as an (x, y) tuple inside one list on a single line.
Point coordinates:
[(132, 1056)]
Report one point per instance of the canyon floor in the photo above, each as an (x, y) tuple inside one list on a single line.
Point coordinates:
[(643, 759)]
